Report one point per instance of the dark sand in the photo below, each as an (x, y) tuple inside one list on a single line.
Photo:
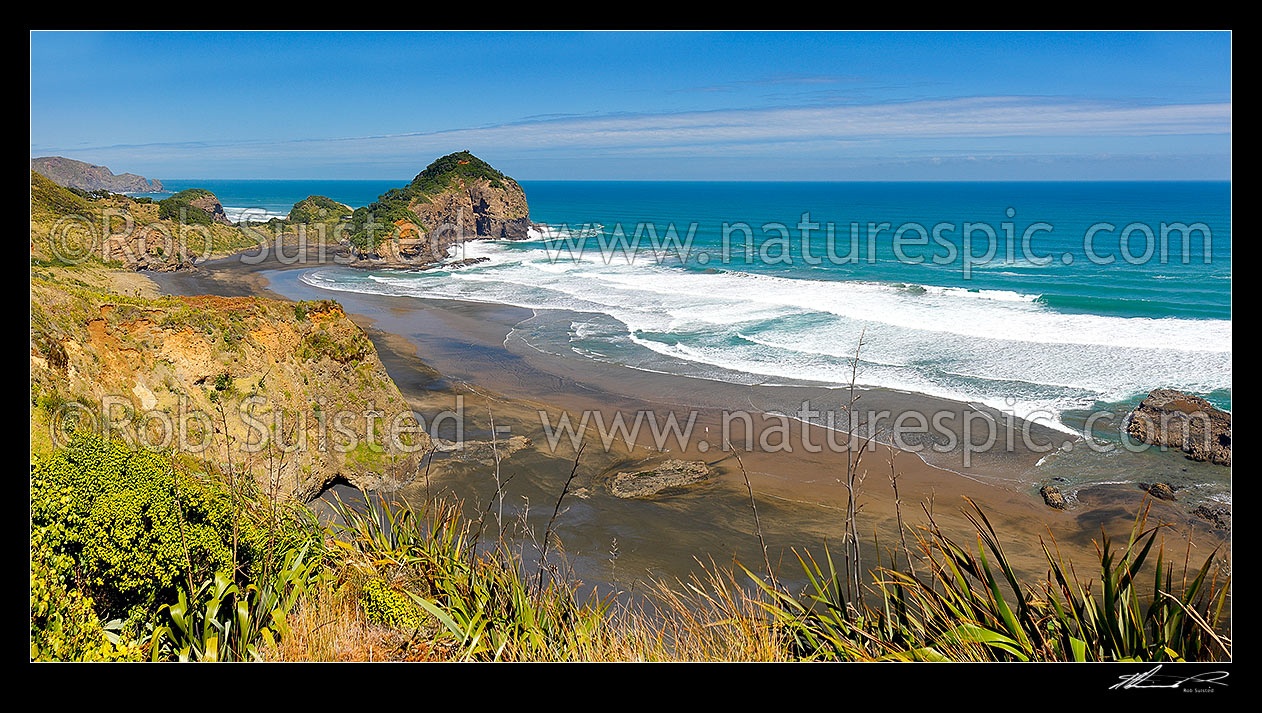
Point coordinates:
[(438, 351)]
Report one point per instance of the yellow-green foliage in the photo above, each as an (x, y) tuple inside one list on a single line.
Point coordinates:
[(48, 198), (64, 626), (387, 606), (114, 512)]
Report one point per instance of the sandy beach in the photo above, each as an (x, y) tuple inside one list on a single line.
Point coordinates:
[(443, 352)]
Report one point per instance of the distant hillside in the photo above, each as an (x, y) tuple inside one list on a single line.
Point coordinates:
[(86, 177)]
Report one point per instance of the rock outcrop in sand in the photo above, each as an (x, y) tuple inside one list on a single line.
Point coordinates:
[(1218, 515), (1188, 423), (668, 475), (1160, 491), (483, 452)]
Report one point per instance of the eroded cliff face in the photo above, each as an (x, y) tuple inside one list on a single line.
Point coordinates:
[(474, 208), (293, 394)]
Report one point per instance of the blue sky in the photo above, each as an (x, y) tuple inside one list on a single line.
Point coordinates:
[(776, 106)]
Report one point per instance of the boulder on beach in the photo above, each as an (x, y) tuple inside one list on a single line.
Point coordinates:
[(673, 473), (1053, 497), (1189, 423), (1219, 515), (1161, 491)]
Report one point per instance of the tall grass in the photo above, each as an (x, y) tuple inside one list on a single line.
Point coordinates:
[(224, 621), (484, 601), (387, 581), (966, 603), (971, 606)]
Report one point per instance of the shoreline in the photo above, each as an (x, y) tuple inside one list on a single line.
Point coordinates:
[(437, 350)]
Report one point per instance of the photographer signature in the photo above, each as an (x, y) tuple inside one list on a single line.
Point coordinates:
[(1151, 679)]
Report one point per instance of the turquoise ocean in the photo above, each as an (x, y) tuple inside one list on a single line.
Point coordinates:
[(1050, 328)]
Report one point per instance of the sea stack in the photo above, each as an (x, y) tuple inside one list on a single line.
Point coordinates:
[(458, 197)]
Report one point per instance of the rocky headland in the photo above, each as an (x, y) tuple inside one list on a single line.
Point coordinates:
[(70, 226), (196, 206), (70, 173)]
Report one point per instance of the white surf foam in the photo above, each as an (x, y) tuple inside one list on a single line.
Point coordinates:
[(1000, 348), (236, 214)]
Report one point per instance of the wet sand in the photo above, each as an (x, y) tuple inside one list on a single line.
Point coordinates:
[(439, 351)]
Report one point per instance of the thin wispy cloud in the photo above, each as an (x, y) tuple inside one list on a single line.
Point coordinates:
[(835, 128)]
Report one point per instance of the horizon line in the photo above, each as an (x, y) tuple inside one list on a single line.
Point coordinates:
[(761, 180)]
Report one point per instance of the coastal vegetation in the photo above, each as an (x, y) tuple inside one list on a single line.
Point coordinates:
[(127, 360), (72, 228), (194, 205), (225, 572), (318, 209)]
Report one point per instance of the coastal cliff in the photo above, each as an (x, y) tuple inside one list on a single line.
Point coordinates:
[(277, 390), (269, 388), (456, 198), (83, 176)]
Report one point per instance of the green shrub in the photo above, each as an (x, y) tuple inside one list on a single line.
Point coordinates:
[(438, 175), (64, 626), (387, 606), (317, 209), (350, 349), (114, 513)]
